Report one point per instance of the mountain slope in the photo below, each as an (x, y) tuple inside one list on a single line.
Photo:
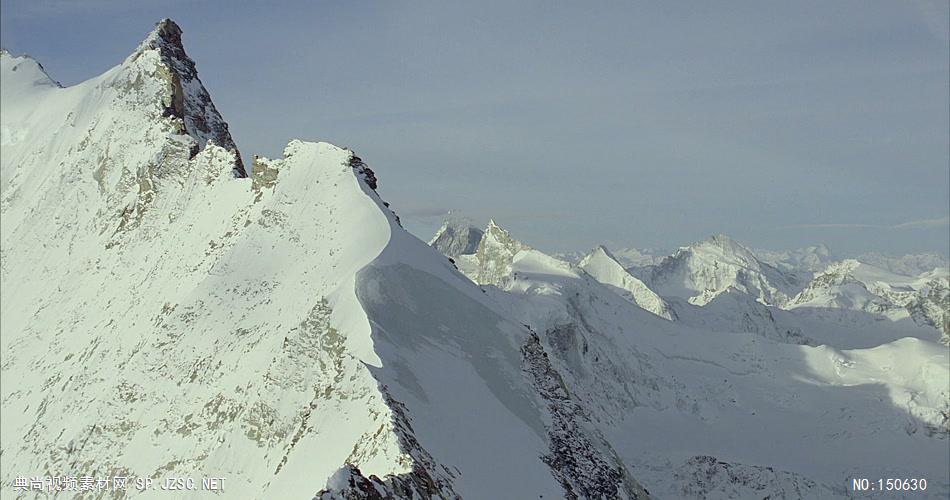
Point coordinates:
[(605, 268), (688, 407), (456, 238), (491, 261), (855, 286), (703, 270), (163, 315)]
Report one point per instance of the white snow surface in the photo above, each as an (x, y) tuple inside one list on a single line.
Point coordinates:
[(697, 409), (703, 270), (163, 316), (605, 268)]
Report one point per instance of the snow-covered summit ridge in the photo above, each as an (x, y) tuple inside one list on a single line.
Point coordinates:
[(735, 370), (189, 99), (853, 285), (27, 69), (168, 317), (701, 271), (152, 100), (605, 268)]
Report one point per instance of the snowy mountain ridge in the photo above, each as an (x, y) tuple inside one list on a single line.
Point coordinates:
[(605, 268), (701, 271), (722, 382), (165, 314)]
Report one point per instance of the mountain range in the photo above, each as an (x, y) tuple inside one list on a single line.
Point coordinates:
[(168, 311)]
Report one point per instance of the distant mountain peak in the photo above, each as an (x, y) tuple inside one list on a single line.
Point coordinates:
[(495, 234), (602, 249), (704, 269), (21, 62), (725, 243), (605, 268), (456, 237)]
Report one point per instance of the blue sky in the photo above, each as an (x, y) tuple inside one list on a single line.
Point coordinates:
[(782, 124)]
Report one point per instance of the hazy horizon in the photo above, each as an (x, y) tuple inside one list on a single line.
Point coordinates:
[(782, 126)]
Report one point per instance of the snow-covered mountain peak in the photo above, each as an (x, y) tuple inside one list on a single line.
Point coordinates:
[(600, 254), (841, 269), (165, 35), (456, 237), (854, 285), (701, 271), (23, 70), (726, 248), (490, 263), (186, 99), (605, 268), (133, 129), (496, 236)]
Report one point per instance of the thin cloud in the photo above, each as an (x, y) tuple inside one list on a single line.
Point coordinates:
[(924, 223)]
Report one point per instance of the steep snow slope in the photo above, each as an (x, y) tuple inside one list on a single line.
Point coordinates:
[(605, 268), (703, 270), (163, 316), (25, 81), (733, 415), (437, 333)]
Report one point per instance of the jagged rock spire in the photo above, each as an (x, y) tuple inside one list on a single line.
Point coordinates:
[(190, 100)]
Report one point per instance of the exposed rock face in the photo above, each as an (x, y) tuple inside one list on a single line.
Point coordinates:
[(184, 320), (708, 477), (162, 316), (581, 459), (456, 238), (853, 285), (932, 306), (426, 480), (187, 99), (490, 264)]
